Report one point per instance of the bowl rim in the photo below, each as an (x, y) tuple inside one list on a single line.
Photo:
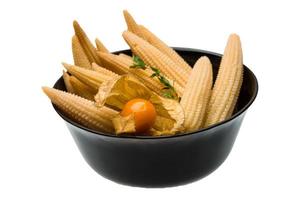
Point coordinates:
[(106, 134)]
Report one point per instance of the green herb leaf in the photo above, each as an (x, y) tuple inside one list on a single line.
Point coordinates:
[(168, 90), (153, 75), (167, 95), (138, 63), (155, 70)]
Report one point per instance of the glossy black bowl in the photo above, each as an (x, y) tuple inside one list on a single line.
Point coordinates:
[(169, 160)]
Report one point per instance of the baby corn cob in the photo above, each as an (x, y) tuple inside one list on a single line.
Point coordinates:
[(228, 83), (124, 62), (163, 47), (132, 26), (147, 35), (145, 77), (82, 89), (91, 78), (104, 71), (79, 56), (111, 62), (153, 57), (100, 46), (82, 110), (196, 95), (89, 49), (68, 84)]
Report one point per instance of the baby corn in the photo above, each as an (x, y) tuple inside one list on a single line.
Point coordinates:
[(132, 26), (228, 83), (147, 35), (163, 47), (104, 71), (153, 57), (111, 63), (67, 81), (89, 77), (82, 89), (196, 95), (100, 46), (145, 77), (79, 56), (82, 110), (124, 62), (89, 49)]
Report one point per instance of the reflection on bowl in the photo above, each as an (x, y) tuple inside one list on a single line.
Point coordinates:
[(164, 161)]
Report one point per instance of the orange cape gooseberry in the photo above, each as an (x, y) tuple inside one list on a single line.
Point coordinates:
[(144, 114)]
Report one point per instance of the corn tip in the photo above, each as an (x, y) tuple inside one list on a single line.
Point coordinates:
[(66, 65), (233, 37), (204, 60), (131, 38), (48, 91), (76, 25), (125, 12), (45, 89)]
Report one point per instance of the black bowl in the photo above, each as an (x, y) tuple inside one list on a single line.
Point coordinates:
[(168, 160)]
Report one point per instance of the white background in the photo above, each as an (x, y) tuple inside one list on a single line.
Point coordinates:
[(38, 158)]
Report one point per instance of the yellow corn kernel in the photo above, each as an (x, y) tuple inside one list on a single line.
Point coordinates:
[(100, 46), (104, 71), (153, 57), (89, 77), (89, 49), (79, 56), (68, 84), (228, 83), (82, 110), (196, 95), (82, 89)]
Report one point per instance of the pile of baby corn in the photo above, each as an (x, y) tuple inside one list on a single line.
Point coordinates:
[(204, 103)]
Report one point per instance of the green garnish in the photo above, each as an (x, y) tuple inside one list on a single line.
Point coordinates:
[(168, 91), (138, 63)]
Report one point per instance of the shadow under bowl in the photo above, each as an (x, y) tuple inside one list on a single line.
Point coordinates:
[(164, 161)]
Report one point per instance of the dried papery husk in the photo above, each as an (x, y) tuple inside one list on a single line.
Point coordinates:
[(170, 115), (124, 125), (116, 93)]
